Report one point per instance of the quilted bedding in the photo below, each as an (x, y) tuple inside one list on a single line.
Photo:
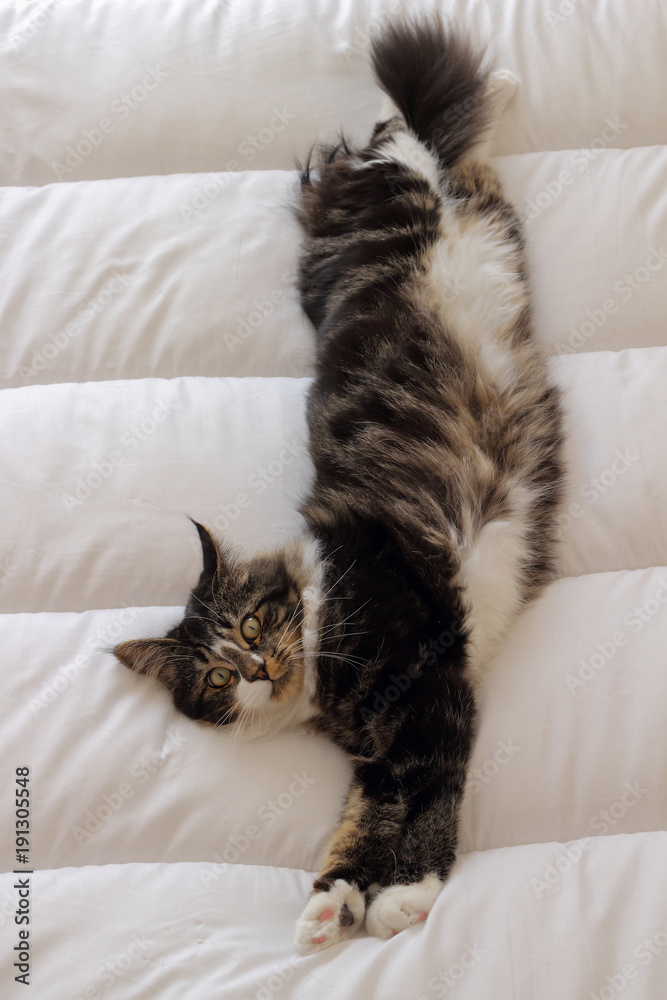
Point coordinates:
[(154, 363)]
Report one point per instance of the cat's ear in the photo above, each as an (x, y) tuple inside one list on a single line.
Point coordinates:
[(147, 656), (213, 559)]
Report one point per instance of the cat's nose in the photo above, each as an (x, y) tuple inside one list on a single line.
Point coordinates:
[(255, 672)]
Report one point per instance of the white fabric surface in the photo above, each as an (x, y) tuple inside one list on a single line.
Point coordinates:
[(230, 85), (200, 930), (146, 784), (115, 465), (193, 274), (152, 364)]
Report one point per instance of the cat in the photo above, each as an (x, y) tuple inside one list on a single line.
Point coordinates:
[(435, 435)]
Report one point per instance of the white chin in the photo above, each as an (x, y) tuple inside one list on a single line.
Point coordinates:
[(255, 695)]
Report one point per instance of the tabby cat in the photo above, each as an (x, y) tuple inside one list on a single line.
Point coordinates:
[(435, 435)]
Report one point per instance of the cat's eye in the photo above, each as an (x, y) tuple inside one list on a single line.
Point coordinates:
[(251, 628), (219, 677)]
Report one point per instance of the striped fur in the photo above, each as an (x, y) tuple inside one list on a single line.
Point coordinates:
[(435, 435)]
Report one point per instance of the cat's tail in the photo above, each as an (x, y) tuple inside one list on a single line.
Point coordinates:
[(435, 78)]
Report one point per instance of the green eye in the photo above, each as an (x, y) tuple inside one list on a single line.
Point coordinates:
[(219, 677), (251, 628)]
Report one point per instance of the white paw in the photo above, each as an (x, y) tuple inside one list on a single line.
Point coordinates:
[(503, 85), (400, 906), (388, 110), (330, 917)]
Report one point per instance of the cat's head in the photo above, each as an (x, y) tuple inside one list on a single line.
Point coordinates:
[(245, 649)]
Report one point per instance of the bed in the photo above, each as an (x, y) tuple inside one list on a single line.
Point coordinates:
[(155, 363)]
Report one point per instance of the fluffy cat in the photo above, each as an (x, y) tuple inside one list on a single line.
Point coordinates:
[(435, 435)]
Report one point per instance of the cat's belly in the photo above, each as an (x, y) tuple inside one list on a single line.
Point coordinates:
[(473, 281), (493, 563)]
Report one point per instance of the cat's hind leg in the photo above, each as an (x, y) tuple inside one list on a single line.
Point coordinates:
[(501, 89)]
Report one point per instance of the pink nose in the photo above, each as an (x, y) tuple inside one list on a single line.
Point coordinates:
[(252, 672), (261, 675)]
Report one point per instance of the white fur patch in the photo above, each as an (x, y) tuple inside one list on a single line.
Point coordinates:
[(311, 598), (406, 149), (320, 924), (503, 88), (472, 279), (491, 575), (255, 695), (398, 907)]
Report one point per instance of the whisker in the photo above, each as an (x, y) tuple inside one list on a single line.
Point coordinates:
[(336, 582), (240, 723), (290, 621), (302, 652), (344, 659), (353, 661), (218, 619), (326, 628), (223, 719)]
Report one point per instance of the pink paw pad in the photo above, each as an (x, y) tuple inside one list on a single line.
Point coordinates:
[(422, 916), (326, 914), (320, 939)]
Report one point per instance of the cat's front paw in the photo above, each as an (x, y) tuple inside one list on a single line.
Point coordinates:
[(330, 917), (400, 906)]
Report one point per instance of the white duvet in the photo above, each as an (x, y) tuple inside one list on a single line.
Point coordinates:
[(154, 363)]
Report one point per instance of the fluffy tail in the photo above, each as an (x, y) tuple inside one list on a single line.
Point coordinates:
[(434, 76)]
